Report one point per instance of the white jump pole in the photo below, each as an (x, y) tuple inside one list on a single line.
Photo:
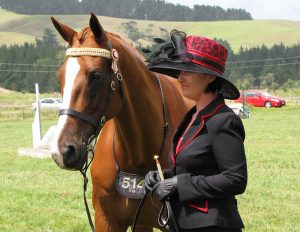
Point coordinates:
[(36, 125)]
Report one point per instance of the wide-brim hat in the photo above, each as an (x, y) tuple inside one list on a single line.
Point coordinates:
[(193, 54)]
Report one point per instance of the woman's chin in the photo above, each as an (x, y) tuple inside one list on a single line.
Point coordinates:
[(187, 95)]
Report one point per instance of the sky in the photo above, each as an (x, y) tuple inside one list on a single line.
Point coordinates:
[(259, 9)]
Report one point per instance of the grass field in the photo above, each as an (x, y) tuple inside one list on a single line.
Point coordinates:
[(35, 195), (17, 29)]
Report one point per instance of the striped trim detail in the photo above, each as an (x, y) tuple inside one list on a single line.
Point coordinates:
[(208, 62), (202, 54)]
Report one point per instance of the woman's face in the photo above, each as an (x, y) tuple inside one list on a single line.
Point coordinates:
[(193, 84)]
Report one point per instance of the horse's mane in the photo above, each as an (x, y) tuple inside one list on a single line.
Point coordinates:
[(126, 44), (82, 34)]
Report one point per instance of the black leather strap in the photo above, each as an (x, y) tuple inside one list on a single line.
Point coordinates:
[(93, 121), (165, 133), (166, 124)]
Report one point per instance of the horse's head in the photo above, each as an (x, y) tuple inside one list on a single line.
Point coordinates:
[(90, 84)]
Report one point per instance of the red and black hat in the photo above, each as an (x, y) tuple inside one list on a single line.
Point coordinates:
[(194, 54)]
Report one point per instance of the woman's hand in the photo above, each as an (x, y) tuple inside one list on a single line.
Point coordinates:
[(151, 179), (166, 188)]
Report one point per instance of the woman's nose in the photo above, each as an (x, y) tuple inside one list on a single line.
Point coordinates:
[(181, 77)]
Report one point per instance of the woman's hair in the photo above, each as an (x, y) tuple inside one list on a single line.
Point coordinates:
[(214, 86)]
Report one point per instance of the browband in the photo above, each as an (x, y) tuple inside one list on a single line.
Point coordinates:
[(89, 52)]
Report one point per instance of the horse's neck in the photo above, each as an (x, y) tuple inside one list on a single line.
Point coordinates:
[(139, 126)]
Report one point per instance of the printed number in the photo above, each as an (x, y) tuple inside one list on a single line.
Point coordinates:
[(127, 182), (140, 184)]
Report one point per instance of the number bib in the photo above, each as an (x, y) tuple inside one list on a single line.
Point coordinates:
[(130, 185)]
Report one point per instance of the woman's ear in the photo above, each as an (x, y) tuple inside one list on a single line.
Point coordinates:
[(211, 78)]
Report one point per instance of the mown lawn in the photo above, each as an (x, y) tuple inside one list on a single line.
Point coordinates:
[(35, 195), (271, 202)]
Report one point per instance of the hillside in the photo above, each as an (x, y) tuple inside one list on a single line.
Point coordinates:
[(17, 29)]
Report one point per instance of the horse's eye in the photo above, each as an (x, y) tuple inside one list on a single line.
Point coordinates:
[(95, 75)]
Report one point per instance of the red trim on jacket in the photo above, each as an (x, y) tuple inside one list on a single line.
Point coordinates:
[(173, 160), (204, 209), (202, 121)]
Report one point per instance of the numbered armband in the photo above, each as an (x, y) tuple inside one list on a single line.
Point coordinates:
[(130, 185)]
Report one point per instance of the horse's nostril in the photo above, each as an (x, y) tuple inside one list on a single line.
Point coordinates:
[(71, 150), (69, 154), (68, 151)]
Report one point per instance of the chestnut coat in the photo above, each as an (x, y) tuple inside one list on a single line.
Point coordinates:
[(210, 163)]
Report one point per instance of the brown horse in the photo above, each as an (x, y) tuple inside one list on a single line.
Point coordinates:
[(106, 86)]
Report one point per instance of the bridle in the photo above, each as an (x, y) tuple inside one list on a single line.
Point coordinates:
[(115, 76)]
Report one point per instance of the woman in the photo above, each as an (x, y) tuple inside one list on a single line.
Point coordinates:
[(208, 158)]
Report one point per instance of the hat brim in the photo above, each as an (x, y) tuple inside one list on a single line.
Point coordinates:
[(228, 90)]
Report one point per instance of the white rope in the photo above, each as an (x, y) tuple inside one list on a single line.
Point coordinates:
[(89, 52)]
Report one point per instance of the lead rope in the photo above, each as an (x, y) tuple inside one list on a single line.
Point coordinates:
[(165, 216), (90, 149), (165, 133)]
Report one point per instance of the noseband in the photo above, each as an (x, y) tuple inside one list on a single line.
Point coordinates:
[(115, 74)]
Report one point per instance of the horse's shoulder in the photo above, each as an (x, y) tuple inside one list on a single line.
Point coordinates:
[(107, 132)]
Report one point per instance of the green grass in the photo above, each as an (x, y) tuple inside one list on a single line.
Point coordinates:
[(22, 99), (271, 202), (16, 106), (35, 195), (17, 29)]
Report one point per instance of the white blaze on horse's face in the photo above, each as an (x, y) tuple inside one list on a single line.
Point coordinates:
[(72, 69)]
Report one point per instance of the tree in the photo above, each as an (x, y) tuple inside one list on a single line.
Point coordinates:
[(132, 31), (134, 9)]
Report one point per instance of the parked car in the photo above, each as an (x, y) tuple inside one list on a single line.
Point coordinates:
[(261, 98), (49, 103)]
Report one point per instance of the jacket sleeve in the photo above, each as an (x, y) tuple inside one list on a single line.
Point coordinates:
[(168, 173), (228, 150)]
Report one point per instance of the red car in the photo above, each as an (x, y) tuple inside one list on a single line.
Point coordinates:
[(260, 98)]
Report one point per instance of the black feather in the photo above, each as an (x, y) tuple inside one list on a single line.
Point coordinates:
[(159, 40), (146, 50)]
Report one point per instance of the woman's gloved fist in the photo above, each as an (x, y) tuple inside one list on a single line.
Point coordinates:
[(151, 179), (166, 188)]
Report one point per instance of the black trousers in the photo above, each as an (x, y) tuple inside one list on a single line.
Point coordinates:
[(213, 229)]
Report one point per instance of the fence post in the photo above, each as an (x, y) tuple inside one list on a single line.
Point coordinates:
[(36, 125)]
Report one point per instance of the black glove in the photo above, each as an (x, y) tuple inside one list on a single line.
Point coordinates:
[(166, 188), (151, 179)]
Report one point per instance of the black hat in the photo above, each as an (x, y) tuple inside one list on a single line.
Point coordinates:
[(193, 54)]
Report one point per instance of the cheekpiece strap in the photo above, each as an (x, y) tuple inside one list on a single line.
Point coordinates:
[(89, 52)]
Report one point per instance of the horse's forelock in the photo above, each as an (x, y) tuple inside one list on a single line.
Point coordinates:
[(81, 35)]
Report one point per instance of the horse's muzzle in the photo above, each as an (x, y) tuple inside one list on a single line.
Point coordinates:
[(70, 157)]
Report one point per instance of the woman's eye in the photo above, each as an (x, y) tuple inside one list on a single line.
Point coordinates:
[(95, 75)]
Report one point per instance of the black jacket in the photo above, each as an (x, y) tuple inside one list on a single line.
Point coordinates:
[(211, 168)]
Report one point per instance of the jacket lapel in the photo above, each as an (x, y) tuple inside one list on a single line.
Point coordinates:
[(195, 128)]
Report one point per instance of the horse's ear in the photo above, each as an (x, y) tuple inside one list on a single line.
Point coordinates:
[(66, 32), (96, 28)]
